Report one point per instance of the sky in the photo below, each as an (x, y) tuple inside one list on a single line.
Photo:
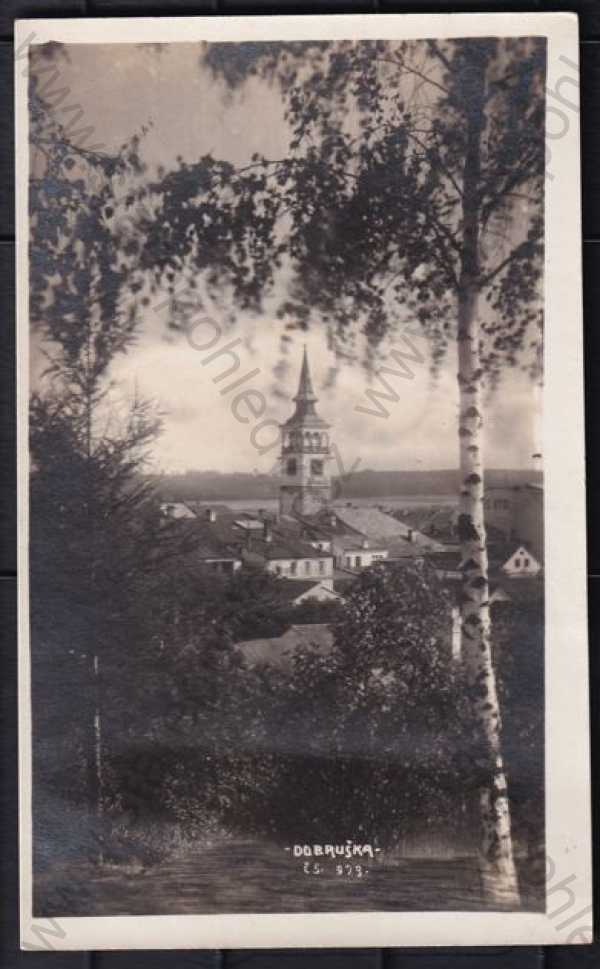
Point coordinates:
[(122, 87)]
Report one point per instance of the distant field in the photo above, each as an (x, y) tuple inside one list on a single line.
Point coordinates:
[(393, 488)]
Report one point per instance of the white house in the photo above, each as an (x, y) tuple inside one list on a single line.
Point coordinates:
[(521, 564)]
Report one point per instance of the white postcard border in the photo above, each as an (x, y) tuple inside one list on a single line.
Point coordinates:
[(567, 727)]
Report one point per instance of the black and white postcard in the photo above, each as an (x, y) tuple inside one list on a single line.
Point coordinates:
[(303, 654)]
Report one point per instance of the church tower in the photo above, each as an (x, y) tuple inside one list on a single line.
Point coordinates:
[(306, 484)]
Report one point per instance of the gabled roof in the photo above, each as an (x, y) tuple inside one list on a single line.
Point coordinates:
[(219, 538), (290, 590), (234, 534), (326, 524), (376, 525), (282, 547), (521, 551)]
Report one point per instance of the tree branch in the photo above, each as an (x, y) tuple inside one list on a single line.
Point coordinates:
[(441, 164), (433, 47), (515, 254), (411, 69)]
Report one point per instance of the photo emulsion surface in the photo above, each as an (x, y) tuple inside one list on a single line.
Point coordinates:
[(286, 477)]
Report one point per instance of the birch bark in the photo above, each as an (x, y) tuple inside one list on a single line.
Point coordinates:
[(498, 870)]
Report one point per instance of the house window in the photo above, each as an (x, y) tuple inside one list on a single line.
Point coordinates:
[(526, 563), (357, 562), (293, 568), (307, 568), (321, 568), (316, 467), (518, 563), (348, 560), (291, 466)]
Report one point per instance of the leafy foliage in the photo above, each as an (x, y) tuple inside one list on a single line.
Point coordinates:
[(374, 729), (364, 214)]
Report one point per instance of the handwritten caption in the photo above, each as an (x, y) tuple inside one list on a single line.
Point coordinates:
[(343, 855)]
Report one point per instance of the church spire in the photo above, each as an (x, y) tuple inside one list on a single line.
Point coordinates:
[(305, 387), (305, 399)]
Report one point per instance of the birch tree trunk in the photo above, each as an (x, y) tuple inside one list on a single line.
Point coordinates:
[(498, 870), (497, 862)]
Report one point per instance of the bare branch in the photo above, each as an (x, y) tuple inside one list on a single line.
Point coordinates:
[(411, 69), (432, 152)]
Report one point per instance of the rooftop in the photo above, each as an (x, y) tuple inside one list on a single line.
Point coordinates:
[(376, 525), (283, 547)]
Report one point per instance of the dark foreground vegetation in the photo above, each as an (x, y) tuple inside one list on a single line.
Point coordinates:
[(157, 754)]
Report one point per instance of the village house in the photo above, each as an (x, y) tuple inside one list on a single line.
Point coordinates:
[(285, 557), (220, 545), (317, 548), (521, 564), (350, 549), (226, 540), (320, 546)]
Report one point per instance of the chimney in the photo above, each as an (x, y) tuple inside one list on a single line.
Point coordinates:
[(267, 532), (211, 515)]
